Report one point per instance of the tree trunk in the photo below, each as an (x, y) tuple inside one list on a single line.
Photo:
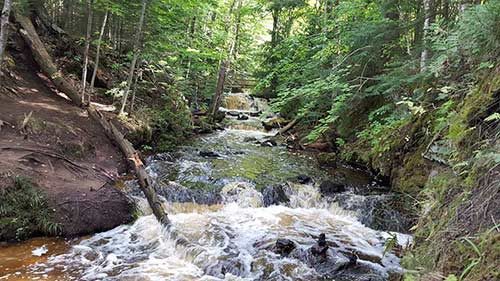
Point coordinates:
[(219, 90), (4, 25), (134, 90), (136, 163), (136, 55), (98, 52), (44, 60), (424, 56), (87, 47)]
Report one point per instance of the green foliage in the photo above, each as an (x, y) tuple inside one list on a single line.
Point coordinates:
[(24, 212), (172, 123)]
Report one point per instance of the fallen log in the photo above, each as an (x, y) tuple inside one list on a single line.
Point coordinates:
[(288, 127), (44, 60), (47, 66), (135, 162)]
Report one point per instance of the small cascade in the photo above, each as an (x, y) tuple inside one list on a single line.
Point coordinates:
[(238, 202)]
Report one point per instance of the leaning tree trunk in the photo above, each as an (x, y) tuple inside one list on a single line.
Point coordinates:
[(44, 60), (49, 68), (135, 162), (98, 52), (134, 59), (86, 52), (4, 25), (219, 90)]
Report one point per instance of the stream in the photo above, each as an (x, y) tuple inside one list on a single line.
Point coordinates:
[(251, 210)]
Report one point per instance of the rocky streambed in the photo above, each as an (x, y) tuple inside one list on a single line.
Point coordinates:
[(252, 210)]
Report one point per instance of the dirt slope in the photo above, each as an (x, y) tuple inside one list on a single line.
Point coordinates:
[(60, 149)]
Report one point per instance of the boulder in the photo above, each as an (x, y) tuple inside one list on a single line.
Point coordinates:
[(284, 247), (274, 195), (329, 188), (304, 179)]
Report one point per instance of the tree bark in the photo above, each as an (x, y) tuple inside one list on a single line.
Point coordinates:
[(136, 55), (219, 90), (424, 56), (135, 162), (87, 47), (44, 60), (98, 52), (4, 25)]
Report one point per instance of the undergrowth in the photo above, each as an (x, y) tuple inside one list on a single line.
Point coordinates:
[(24, 212)]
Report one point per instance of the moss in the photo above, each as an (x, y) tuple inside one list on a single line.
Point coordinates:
[(25, 212)]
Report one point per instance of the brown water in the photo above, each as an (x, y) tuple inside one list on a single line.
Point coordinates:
[(16, 259)]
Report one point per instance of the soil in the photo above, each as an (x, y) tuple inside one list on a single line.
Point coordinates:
[(57, 146)]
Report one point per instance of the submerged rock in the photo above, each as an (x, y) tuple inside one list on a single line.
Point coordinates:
[(250, 139), (274, 195), (209, 154), (173, 192), (328, 188)]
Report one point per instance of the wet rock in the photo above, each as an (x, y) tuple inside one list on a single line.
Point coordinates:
[(284, 247), (329, 188), (269, 143), (274, 195), (320, 248), (274, 123), (243, 193), (304, 179), (173, 192), (250, 139), (233, 113), (209, 154), (255, 113), (242, 116)]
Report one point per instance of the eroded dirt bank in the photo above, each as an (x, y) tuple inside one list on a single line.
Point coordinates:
[(58, 150)]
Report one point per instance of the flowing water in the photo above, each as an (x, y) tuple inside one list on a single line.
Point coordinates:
[(212, 189)]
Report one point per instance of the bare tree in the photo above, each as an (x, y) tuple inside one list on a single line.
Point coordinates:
[(137, 42), (4, 25), (87, 47), (98, 52)]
